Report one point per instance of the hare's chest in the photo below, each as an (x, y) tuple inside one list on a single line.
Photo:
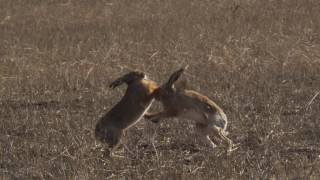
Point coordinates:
[(149, 86)]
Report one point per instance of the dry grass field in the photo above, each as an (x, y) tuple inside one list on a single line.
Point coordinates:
[(258, 59)]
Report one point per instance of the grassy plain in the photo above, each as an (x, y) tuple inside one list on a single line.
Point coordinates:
[(258, 59)]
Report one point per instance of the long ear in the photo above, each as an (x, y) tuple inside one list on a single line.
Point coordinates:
[(174, 77), (118, 81)]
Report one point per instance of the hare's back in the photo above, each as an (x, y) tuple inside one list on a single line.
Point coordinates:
[(202, 101)]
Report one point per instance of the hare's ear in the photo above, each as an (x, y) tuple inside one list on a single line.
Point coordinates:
[(118, 82), (174, 77)]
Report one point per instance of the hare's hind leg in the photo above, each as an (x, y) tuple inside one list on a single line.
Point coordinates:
[(112, 136), (219, 133), (203, 132)]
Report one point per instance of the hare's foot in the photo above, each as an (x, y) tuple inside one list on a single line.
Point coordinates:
[(236, 146), (209, 142), (113, 155), (232, 148)]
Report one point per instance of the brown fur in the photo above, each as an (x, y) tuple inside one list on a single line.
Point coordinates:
[(208, 116), (129, 110)]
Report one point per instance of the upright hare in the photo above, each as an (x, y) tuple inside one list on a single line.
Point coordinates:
[(129, 110), (208, 116)]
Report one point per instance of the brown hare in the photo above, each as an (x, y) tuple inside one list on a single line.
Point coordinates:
[(209, 118), (128, 111)]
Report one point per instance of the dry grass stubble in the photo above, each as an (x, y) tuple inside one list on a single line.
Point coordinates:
[(259, 60)]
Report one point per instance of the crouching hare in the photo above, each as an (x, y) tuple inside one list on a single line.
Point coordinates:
[(128, 111), (209, 118)]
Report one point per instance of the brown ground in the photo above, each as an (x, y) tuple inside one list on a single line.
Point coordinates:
[(258, 59)]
